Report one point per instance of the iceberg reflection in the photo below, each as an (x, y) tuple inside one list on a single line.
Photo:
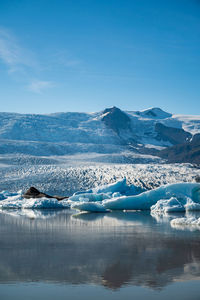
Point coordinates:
[(111, 250)]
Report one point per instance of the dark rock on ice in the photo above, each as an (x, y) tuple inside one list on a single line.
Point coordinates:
[(116, 119), (173, 135), (188, 152), (32, 192), (197, 178)]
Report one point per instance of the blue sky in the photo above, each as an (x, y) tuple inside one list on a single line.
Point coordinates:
[(60, 55)]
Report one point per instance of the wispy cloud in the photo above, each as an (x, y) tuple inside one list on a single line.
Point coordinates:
[(18, 59), (38, 86), (12, 54)]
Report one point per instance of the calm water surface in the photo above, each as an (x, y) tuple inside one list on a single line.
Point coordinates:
[(119, 255)]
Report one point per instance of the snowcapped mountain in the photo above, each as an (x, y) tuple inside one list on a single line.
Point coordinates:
[(109, 131)]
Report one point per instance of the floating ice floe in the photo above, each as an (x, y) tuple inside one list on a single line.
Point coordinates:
[(175, 204), (186, 223), (167, 206)]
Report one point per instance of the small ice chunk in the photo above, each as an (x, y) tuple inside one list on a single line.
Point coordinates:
[(166, 206), (186, 221), (175, 205)]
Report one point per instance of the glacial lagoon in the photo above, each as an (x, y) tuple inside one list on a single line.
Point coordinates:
[(49, 254)]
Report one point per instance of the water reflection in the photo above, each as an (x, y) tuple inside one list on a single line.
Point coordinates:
[(112, 249)]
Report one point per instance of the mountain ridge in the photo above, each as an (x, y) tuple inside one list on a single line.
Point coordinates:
[(147, 131)]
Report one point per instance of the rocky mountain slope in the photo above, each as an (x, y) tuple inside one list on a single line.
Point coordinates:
[(186, 152)]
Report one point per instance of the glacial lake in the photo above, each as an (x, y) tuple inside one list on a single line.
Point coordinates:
[(59, 254)]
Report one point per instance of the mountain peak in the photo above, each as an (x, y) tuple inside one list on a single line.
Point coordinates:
[(115, 119), (112, 109), (155, 112)]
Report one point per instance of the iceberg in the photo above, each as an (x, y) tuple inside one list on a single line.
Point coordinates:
[(146, 200), (179, 204), (179, 197), (185, 221), (120, 186), (190, 223), (166, 206)]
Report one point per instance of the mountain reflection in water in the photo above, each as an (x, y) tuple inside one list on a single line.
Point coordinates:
[(112, 249)]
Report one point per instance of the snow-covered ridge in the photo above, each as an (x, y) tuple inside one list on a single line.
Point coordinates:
[(154, 112)]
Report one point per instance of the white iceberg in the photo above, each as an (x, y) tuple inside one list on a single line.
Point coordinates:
[(179, 204), (120, 186), (188, 222), (192, 221), (166, 206)]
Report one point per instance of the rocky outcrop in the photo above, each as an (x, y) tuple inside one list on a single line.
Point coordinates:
[(197, 179), (186, 152), (116, 119), (32, 192), (120, 123), (173, 135)]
